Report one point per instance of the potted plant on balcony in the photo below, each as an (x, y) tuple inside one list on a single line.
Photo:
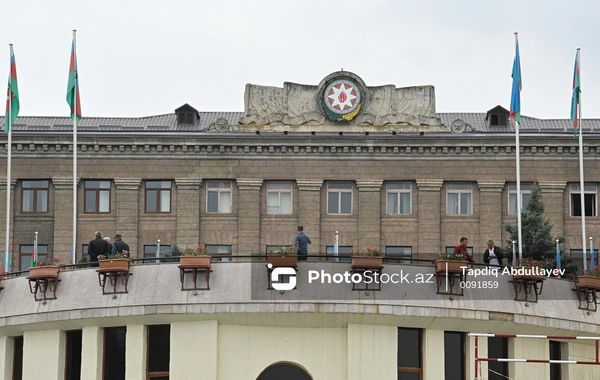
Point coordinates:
[(529, 269), (283, 256), (590, 278), (117, 261), (198, 256), (452, 261), (371, 257), (45, 268)]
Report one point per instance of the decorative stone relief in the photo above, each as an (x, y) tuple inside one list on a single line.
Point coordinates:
[(220, 125)]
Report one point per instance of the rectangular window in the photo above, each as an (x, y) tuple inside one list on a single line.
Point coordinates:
[(398, 198), (18, 358), (512, 197), (97, 197), (150, 250), (73, 355), (398, 255), (410, 354), (114, 353), (219, 252), (589, 194), (218, 198), (35, 197), (339, 198), (279, 198), (84, 252), (159, 350), (158, 196), (454, 355), (555, 354), (450, 250), (498, 348), (459, 199), (577, 256), (344, 254), (26, 254)]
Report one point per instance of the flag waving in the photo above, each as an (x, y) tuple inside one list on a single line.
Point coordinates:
[(12, 95), (73, 85), (515, 99), (575, 94)]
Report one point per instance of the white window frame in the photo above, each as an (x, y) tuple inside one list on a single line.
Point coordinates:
[(512, 192), (219, 190), (574, 188), (397, 193), (219, 252), (271, 190), (340, 191), (403, 254), (459, 192)]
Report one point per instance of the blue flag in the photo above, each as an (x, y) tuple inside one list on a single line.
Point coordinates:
[(558, 258)]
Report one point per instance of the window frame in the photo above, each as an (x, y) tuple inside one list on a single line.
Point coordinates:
[(163, 250), (398, 193), (450, 250), (279, 192), (463, 353), (339, 192), (219, 256), (577, 256), (97, 191), (35, 191), (575, 189), (418, 370), (344, 256), (158, 191), (397, 258), (22, 254), (155, 374), (450, 190), (513, 192), (219, 190)]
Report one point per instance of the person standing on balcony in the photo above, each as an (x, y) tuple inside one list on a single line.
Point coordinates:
[(461, 249), (96, 247), (301, 242), (119, 246), (493, 255)]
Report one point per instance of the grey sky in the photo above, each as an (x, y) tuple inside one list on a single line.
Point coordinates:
[(141, 58)]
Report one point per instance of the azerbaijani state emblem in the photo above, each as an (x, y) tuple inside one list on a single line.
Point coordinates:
[(341, 100)]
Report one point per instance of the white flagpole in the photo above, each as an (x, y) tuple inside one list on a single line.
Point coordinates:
[(518, 165), (8, 167), (581, 179), (35, 248), (73, 259)]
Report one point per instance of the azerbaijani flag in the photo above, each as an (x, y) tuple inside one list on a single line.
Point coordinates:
[(12, 95), (515, 100), (558, 263), (575, 95), (73, 86)]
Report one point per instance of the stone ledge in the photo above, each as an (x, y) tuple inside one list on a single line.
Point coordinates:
[(369, 185), (491, 186), (552, 186), (309, 184), (249, 183), (430, 184), (188, 183), (127, 183)]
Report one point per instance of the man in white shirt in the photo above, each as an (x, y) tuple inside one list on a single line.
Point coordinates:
[(493, 255)]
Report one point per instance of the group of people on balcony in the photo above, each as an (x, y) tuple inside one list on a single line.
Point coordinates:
[(104, 247), (492, 256)]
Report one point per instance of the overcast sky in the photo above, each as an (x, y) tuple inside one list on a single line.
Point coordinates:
[(142, 58)]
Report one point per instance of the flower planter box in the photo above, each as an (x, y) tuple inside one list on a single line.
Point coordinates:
[(42, 272), (199, 261), (527, 273), (591, 281), (283, 260), (367, 261), (122, 264), (453, 265)]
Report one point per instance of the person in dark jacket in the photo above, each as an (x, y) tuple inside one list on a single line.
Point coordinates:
[(301, 242), (96, 248), (493, 255), (119, 246)]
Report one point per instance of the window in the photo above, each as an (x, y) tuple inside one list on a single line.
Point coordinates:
[(459, 199), (339, 198), (26, 255), (498, 348), (158, 196), (454, 355), (410, 354), (398, 198), (150, 250), (97, 197), (512, 197), (219, 252), (344, 254), (589, 194), (555, 354), (84, 252), (287, 371), (279, 198), (218, 197), (185, 118), (577, 256), (159, 350), (398, 255), (73, 355), (498, 119), (18, 358), (114, 353), (35, 197)]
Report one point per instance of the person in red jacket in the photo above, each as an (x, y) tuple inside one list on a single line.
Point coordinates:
[(461, 249)]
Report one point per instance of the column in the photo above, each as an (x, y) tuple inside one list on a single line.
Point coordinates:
[(193, 347), (369, 213), (309, 211), (188, 211), (13, 183), (92, 341), (490, 215), (127, 209), (433, 354), (63, 218), (522, 348), (7, 345), (249, 216), (135, 352), (429, 216), (553, 198), (372, 352), (47, 349)]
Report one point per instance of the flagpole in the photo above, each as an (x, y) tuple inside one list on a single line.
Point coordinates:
[(518, 165), (8, 166), (581, 179), (73, 259)]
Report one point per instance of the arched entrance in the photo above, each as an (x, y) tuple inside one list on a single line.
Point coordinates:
[(284, 371)]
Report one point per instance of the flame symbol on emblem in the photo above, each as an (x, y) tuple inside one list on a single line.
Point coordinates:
[(342, 97)]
